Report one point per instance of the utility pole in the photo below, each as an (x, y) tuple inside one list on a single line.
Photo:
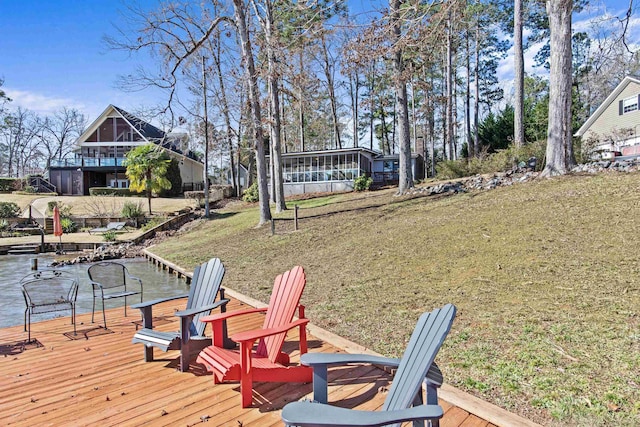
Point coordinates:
[(206, 141)]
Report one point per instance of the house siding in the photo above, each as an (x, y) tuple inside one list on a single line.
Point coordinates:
[(611, 121)]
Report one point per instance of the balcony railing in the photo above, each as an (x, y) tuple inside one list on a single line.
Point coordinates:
[(89, 162)]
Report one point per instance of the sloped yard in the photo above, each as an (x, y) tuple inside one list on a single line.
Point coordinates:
[(545, 275)]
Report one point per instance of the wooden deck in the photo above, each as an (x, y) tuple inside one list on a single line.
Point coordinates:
[(99, 378)]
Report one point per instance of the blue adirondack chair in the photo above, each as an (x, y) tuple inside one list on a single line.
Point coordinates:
[(205, 285), (404, 401)]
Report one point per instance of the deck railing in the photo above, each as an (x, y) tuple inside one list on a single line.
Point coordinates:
[(88, 162)]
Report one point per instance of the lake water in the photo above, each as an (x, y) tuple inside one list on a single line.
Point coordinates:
[(156, 284)]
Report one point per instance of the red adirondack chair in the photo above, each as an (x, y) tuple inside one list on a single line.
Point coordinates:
[(266, 362)]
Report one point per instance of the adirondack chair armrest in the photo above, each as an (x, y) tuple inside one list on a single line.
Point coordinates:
[(158, 301), (192, 312), (311, 414), (251, 336), (223, 316), (328, 359)]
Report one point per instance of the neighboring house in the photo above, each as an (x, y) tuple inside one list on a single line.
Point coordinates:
[(100, 152), (336, 170), (614, 126)]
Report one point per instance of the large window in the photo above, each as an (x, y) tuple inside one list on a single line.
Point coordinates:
[(321, 168)]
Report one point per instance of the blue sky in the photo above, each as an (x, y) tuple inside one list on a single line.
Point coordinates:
[(52, 54)]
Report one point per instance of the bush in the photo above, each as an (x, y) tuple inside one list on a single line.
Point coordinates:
[(68, 226), (153, 222), (251, 194), (500, 161), (7, 184), (4, 225), (9, 210), (65, 210), (362, 183), (109, 236), (106, 191), (132, 210), (174, 177)]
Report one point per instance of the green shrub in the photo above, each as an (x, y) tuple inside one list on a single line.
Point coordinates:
[(65, 210), (109, 236), (4, 225), (500, 161), (362, 183), (153, 222), (106, 191), (68, 226), (9, 210), (251, 194), (7, 184), (132, 210), (174, 177)]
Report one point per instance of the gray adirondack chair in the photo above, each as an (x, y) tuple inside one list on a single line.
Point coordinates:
[(205, 285), (404, 401)]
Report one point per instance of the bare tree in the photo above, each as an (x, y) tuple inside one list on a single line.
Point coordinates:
[(174, 33), (254, 102), (19, 139), (62, 129)]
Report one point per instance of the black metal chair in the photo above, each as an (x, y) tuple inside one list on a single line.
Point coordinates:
[(111, 280), (47, 291)]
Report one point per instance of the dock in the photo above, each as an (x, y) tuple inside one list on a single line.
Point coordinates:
[(98, 377)]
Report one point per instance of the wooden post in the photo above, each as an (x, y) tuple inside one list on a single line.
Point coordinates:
[(295, 218), (34, 263), (273, 227)]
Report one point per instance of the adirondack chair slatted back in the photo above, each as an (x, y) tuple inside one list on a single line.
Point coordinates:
[(205, 285), (108, 274), (427, 338), (285, 297)]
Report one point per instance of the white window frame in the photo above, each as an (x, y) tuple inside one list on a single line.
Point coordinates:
[(630, 104)]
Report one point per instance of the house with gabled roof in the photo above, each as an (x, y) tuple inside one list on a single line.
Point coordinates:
[(614, 125), (100, 152)]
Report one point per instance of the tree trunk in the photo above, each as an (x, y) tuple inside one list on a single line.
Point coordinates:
[(449, 76), (227, 119), (518, 104), (405, 176), (476, 100), (354, 88), (277, 187), (301, 102), (559, 130), (256, 115), (332, 92), (471, 152)]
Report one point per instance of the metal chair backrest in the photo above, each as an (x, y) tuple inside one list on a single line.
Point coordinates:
[(49, 290), (109, 274)]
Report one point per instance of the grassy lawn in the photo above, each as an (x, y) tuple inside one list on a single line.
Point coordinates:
[(90, 205), (545, 276)]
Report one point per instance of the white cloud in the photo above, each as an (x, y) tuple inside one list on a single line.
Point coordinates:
[(43, 104)]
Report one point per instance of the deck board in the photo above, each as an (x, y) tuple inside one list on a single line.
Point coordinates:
[(99, 377)]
